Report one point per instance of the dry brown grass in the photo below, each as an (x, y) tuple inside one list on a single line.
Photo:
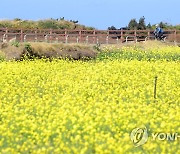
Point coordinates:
[(172, 38), (74, 51), (11, 52), (53, 50)]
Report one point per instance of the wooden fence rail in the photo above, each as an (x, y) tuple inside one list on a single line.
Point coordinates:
[(83, 36)]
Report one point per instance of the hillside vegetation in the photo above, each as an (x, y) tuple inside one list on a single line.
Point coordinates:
[(43, 24), (19, 51), (139, 51)]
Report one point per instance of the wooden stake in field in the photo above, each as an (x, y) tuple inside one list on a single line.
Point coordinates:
[(155, 87)]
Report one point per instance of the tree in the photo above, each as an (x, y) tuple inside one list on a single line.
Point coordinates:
[(133, 24), (141, 24), (164, 25), (17, 19), (177, 27), (149, 26), (112, 28)]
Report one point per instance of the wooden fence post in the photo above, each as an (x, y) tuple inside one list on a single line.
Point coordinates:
[(6, 34), (22, 36), (94, 33), (122, 35), (135, 36), (65, 33), (175, 36), (107, 37), (80, 36), (35, 35), (148, 34), (50, 35)]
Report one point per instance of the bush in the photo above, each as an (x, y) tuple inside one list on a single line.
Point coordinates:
[(15, 43), (42, 24), (47, 24)]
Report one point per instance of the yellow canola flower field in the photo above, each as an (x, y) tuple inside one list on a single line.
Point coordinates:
[(88, 107)]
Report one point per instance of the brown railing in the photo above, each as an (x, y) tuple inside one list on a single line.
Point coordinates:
[(83, 36)]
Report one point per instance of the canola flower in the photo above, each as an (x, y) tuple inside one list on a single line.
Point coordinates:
[(88, 107)]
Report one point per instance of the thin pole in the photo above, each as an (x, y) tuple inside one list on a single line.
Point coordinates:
[(155, 87)]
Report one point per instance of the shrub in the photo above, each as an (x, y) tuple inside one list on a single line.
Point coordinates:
[(15, 43)]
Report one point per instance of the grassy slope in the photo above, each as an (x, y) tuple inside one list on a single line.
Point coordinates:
[(54, 50), (41, 24)]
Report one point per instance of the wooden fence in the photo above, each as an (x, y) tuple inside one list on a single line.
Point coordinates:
[(83, 36)]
